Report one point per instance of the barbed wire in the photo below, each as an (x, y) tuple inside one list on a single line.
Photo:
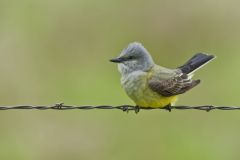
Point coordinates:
[(125, 108)]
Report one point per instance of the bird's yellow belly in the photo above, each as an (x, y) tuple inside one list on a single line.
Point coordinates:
[(137, 89), (153, 100)]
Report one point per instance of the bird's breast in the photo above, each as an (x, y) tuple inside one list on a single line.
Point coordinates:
[(134, 83)]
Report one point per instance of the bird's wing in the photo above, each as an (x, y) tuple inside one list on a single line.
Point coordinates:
[(177, 84)]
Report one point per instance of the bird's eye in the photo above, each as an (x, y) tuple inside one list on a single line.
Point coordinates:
[(130, 57)]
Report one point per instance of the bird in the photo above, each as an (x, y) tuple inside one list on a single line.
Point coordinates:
[(152, 86)]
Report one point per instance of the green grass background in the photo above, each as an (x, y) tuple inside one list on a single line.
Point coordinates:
[(57, 51)]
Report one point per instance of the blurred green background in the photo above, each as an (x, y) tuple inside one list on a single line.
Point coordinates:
[(58, 51)]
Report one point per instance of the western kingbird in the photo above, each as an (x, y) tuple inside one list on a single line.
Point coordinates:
[(151, 85)]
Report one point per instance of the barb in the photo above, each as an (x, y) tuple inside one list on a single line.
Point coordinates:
[(124, 108)]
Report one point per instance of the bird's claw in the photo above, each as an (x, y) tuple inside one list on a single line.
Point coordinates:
[(168, 107), (137, 109), (126, 109)]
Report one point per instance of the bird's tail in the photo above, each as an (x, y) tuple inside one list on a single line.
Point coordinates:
[(196, 62)]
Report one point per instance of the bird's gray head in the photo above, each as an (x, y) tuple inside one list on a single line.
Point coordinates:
[(134, 58)]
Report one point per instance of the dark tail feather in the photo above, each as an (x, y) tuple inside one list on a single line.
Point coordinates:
[(196, 62)]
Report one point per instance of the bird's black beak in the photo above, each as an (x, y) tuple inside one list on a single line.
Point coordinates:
[(117, 60)]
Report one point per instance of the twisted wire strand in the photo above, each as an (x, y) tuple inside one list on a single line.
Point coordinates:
[(126, 108)]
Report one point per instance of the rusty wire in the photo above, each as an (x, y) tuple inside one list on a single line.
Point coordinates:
[(126, 108)]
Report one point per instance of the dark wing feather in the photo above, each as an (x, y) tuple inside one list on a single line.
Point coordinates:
[(177, 85)]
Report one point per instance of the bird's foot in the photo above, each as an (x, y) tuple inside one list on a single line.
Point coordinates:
[(126, 109), (137, 109), (168, 107)]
